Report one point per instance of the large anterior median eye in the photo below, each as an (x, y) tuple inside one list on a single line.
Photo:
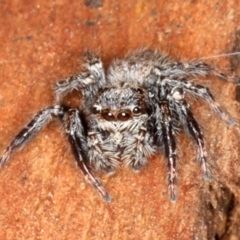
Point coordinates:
[(124, 115), (107, 115)]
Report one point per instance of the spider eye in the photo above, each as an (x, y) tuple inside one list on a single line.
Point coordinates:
[(107, 115), (95, 110), (137, 111), (178, 93), (140, 91), (124, 115)]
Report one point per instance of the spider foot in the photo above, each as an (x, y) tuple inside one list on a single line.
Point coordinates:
[(104, 193), (172, 187), (202, 158), (172, 192), (96, 183), (223, 115), (206, 172), (4, 158), (228, 78)]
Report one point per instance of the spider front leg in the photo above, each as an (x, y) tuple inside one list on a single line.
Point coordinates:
[(73, 122), (28, 132), (169, 140)]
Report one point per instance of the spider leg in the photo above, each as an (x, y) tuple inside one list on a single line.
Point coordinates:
[(205, 94), (189, 122), (31, 129), (74, 127), (169, 141), (184, 69), (92, 76), (202, 92)]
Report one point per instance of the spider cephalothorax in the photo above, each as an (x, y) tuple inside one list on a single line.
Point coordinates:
[(128, 113)]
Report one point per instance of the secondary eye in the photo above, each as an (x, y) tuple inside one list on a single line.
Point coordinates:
[(137, 111), (177, 93), (107, 115), (140, 91), (95, 110), (124, 115)]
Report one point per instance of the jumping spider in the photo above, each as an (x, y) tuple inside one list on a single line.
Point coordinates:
[(128, 113)]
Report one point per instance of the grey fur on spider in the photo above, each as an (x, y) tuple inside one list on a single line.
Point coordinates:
[(128, 113)]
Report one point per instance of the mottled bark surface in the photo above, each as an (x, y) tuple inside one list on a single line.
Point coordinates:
[(43, 195)]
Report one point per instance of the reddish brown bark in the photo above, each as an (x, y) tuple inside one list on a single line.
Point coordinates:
[(43, 195)]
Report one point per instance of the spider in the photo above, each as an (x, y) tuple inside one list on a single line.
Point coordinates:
[(128, 113)]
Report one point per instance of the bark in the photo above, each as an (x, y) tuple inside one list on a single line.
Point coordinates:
[(43, 194)]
